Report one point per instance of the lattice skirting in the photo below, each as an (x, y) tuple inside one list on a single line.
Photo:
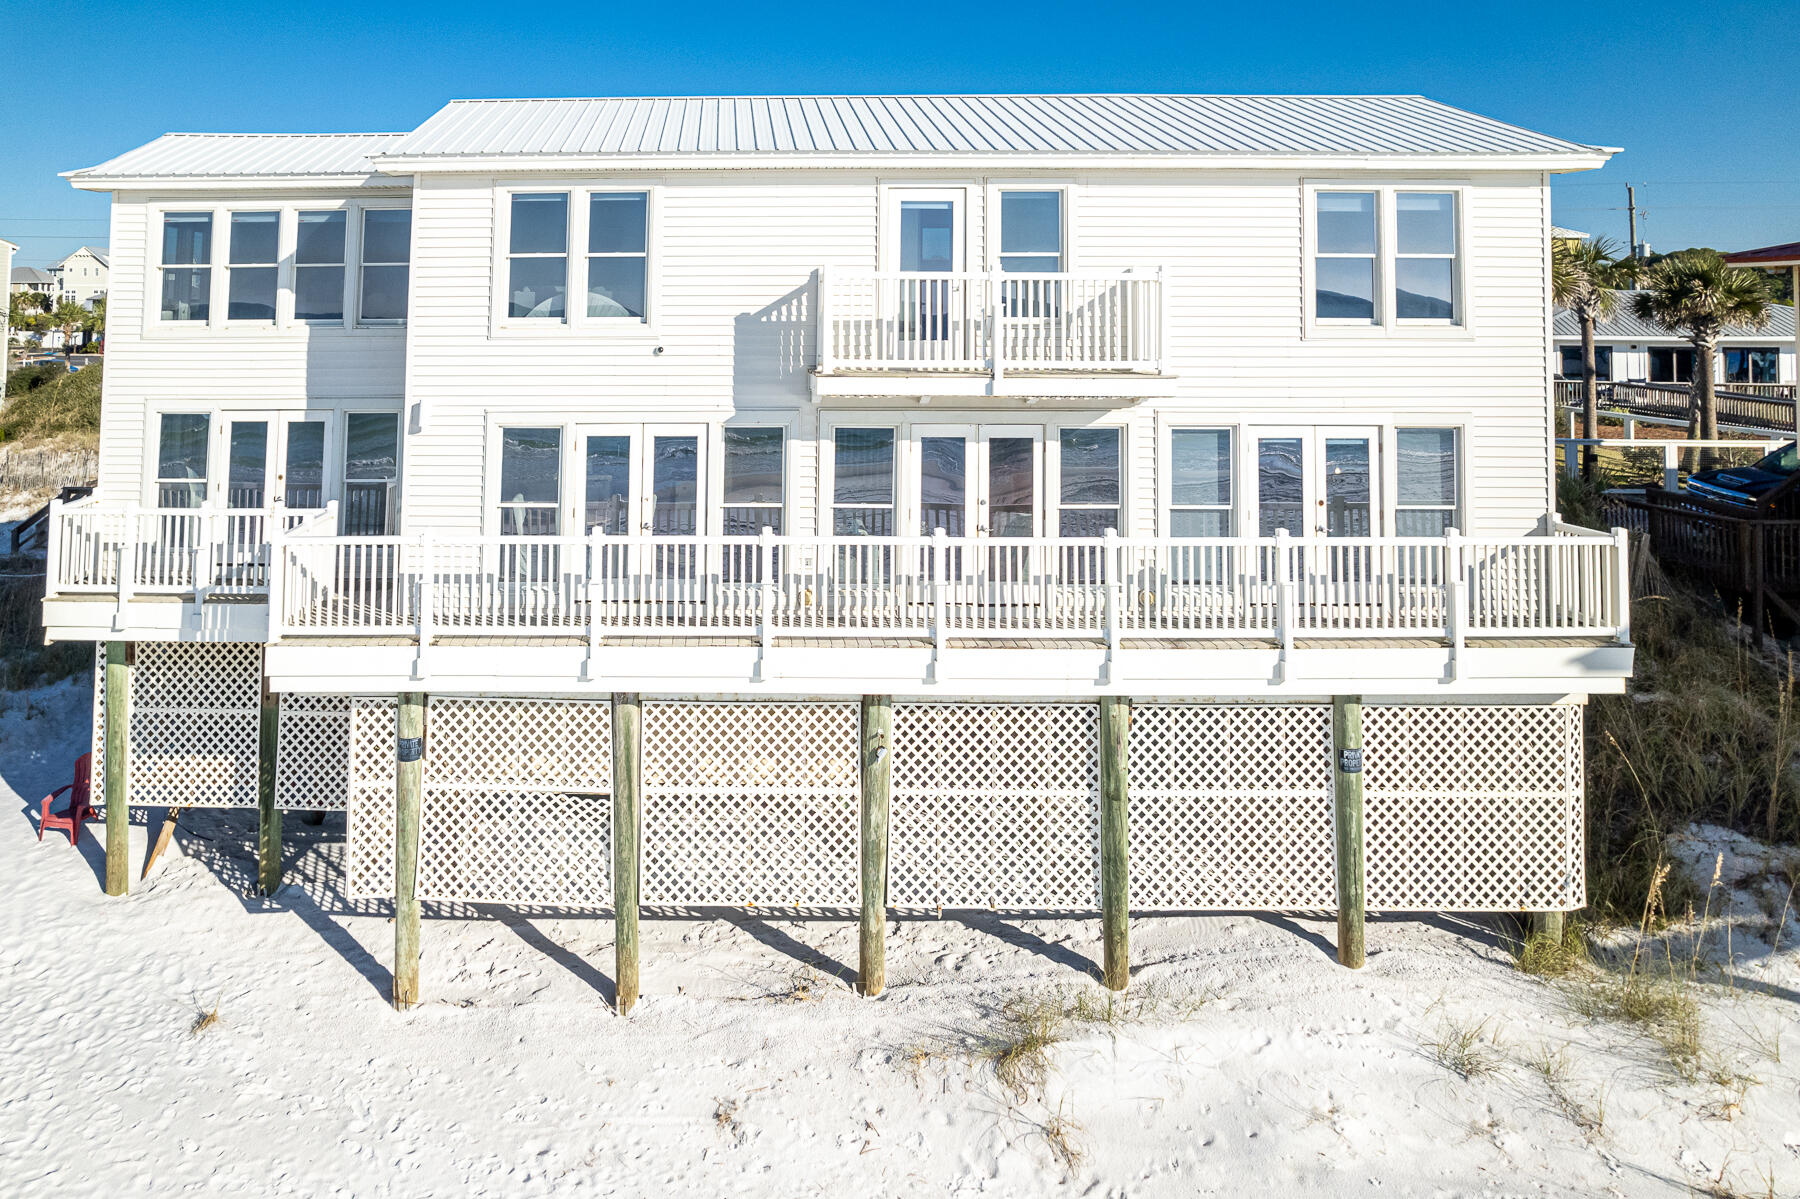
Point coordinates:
[(195, 724), (312, 755)]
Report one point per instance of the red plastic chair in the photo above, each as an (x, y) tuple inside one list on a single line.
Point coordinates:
[(79, 811)]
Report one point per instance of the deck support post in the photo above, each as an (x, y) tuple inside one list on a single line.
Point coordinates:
[(1115, 836), (877, 774), (268, 830), (1548, 925), (627, 745), (119, 658), (1347, 777), (409, 789)]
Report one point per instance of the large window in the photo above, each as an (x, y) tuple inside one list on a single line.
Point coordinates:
[(1200, 483), (1570, 366), (1752, 365), (1426, 495), (181, 459), (862, 497), (1089, 464), (1425, 256), (538, 256), (186, 266), (618, 254), (752, 481), (252, 274), (1671, 364), (319, 267), (530, 481), (386, 255), (371, 473), (1344, 262), (1031, 231)]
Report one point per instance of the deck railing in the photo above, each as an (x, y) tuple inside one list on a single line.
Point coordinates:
[(1745, 405), (989, 322), (935, 588)]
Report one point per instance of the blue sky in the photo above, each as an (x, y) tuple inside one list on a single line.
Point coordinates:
[(1702, 97)]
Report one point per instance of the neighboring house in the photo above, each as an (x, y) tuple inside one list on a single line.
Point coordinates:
[(81, 276), (748, 416), (31, 278), (1628, 348), (1558, 233)]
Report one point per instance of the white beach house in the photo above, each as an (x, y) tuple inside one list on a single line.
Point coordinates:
[(794, 501)]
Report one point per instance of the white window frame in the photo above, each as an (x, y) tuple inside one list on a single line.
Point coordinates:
[(275, 265), (1386, 324), (717, 488), (994, 232), (1165, 471), (336, 417), (356, 288), (576, 322), (1050, 516), (890, 196), (1390, 477), (158, 218), (1456, 257), (587, 255)]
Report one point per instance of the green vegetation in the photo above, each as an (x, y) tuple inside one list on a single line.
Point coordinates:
[(1698, 295), (53, 405)]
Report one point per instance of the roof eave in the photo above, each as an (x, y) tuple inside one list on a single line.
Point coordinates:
[(82, 181)]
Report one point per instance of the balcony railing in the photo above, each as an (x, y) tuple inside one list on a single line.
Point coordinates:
[(1572, 585), (1747, 405), (990, 323)]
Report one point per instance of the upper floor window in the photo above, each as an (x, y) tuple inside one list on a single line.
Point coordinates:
[(1425, 256), (1344, 265), (1570, 366), (618, 254), (1031, 231), (752, 481), (1671, 364), (319, 267), (186, 266), (386, 255), (253, 258), (1752, 365), (538, 250), (1089, 464)]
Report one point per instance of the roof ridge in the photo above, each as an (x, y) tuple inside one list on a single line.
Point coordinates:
[(217, 133), (960, 96)]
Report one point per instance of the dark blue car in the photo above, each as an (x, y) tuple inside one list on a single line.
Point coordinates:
[(1745, 486)]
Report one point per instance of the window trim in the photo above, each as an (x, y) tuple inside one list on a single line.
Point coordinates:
[(1725, 353), (1054, 506), (575, 322), (362, 212), (785, 428), (993, 232), (1386, 324), (281, 254), (1165, 458), (153, 291), (1390, 484), (335, 415)]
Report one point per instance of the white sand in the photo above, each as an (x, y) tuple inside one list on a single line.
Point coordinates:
[(1259, 1066)]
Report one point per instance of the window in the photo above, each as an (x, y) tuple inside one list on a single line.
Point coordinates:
[(1570, 366), (1344, 265), (1425, 256), (319, 267), (386, 253), (1089, 464), (253, 256), (752, 481), (371, 473), (1031, 231), (186, 266), (1426, 496), (1670, 364), (1200, 483), (181, 460), (617, 254), (530, 481), (1752, 365), (304, 476), (862, 495), (247, 468), (538, 251)]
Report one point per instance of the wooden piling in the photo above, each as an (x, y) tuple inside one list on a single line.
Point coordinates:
[(409, 789), (119, 658), (1347, 776), (1548, 925), (1115, 835), (627, 803), (268, 834), (877, 773)]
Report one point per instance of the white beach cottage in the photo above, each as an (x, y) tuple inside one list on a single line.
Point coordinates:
[(1041, 502)]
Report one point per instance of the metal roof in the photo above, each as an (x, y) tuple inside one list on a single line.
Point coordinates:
[(245, 155), (1786, 254), (1625, 325), (986, 125), (30, 274)]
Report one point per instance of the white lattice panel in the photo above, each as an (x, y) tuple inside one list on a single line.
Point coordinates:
[(751, 803), (995, 805), (1231, 807), (312, 757), (97, 788), (1473, 807), (523, 847), (369, 820), (521, 745), (195, 724)]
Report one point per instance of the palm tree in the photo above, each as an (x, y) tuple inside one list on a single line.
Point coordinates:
[(1585, 278), (1695, 293)]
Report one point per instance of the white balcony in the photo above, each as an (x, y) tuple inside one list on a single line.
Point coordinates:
[(898, 333)]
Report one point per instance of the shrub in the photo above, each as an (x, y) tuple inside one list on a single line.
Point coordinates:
[(64, 407)]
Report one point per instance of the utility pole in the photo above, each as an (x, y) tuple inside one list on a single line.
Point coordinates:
[(1631, 218)]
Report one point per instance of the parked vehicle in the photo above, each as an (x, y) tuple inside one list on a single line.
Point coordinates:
[(1745, 486)]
